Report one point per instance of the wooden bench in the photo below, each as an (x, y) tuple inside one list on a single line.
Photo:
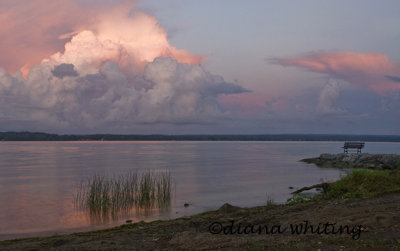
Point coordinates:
[(353, 145)]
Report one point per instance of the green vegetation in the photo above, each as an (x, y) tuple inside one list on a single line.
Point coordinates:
[(104, 194), (270, 201), (299, 198), (362, 183)]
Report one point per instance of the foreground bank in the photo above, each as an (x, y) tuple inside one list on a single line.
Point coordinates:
[(363, 224), (333, 220)]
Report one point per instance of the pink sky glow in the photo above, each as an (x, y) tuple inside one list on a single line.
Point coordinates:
[(362, 69)]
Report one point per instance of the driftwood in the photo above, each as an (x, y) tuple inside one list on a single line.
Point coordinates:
[(323, 185)]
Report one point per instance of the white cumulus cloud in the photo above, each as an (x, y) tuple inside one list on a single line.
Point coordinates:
[(117, 70)]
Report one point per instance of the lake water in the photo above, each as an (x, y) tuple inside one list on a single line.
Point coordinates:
[(38, 179)]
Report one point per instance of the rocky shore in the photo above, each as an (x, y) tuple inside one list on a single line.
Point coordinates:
[(363, 160)]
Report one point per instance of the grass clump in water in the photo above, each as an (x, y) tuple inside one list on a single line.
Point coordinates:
[(104, 194), (164, 187)]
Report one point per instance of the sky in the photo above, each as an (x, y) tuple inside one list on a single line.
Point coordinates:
[(200, 67)]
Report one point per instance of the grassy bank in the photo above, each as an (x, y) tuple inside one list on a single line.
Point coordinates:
[(362, 183)]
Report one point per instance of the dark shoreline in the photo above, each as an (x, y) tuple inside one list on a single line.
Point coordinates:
[(39, 136)]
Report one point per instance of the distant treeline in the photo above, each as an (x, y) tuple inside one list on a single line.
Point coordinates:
[(38, 136)]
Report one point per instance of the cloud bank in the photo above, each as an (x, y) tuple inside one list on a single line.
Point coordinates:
[(117, 69), (57, 97), (360, 69), (327, 98)]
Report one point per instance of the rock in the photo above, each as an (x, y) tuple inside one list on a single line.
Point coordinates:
[(363, 160), (227, 208), (365, 157), (328, 156), (311, 160), (370, 166), (350, 158)]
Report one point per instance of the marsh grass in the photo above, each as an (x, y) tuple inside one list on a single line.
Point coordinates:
[(102, 194)]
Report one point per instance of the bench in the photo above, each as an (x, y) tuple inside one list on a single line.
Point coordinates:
[(353, 145)]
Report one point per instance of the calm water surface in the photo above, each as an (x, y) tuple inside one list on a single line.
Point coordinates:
[(38, 179)]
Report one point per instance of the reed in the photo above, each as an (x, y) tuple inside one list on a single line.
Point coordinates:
[(104, 194)]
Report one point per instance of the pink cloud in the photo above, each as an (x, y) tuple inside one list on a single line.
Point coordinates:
[(361, 69), (31, 31)]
